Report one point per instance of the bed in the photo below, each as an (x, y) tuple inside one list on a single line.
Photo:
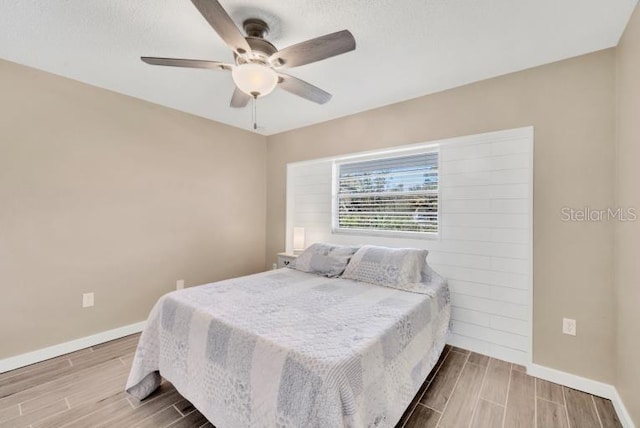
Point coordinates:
[(287, 348)]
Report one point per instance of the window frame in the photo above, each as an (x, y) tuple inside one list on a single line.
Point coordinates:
[(385, 154)]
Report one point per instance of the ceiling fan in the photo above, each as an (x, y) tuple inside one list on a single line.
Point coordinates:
[(256, 71)]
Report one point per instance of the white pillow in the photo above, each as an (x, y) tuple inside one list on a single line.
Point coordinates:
[(391, 267), (324, 259)]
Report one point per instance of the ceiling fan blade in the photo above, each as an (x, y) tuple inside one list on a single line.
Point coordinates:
[(222, 23), (303, 89), (188, 63), (239, 99), (315, 49)]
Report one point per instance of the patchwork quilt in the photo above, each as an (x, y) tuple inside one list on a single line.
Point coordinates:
[(286, 348)]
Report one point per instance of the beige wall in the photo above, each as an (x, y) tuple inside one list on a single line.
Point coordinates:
[(571, 104), (105, 193), (627, 248)]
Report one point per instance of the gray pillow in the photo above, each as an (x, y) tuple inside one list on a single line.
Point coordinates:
[(324, 259), (392, 267)]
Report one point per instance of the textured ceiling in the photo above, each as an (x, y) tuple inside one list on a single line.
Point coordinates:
[(405, 48)]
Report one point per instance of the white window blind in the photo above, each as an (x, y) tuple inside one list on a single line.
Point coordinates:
[(388, 194)]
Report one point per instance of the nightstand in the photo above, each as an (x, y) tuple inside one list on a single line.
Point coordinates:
[(284, 259)]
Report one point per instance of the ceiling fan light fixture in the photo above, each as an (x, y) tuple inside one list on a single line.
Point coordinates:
[(252, 78)]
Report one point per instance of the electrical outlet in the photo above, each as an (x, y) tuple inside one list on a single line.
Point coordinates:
[(87, 300), (180, 284), (569, 326)]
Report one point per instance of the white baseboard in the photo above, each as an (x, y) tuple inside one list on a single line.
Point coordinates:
[(621, 410), (43, 354), (594, 387)]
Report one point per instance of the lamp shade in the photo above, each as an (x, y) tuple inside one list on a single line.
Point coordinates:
[(298, 238), (254, 79)]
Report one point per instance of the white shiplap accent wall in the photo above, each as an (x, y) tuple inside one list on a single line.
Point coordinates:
[(485, 243)]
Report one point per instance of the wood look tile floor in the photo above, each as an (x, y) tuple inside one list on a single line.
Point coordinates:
[(85, 389)]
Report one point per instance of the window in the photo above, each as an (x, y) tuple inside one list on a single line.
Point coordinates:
[(391, 194)]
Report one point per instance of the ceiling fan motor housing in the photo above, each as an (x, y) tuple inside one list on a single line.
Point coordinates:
[(261, 49), (261, 46)]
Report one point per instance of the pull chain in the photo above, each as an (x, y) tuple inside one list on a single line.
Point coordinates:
[(254, 114)]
